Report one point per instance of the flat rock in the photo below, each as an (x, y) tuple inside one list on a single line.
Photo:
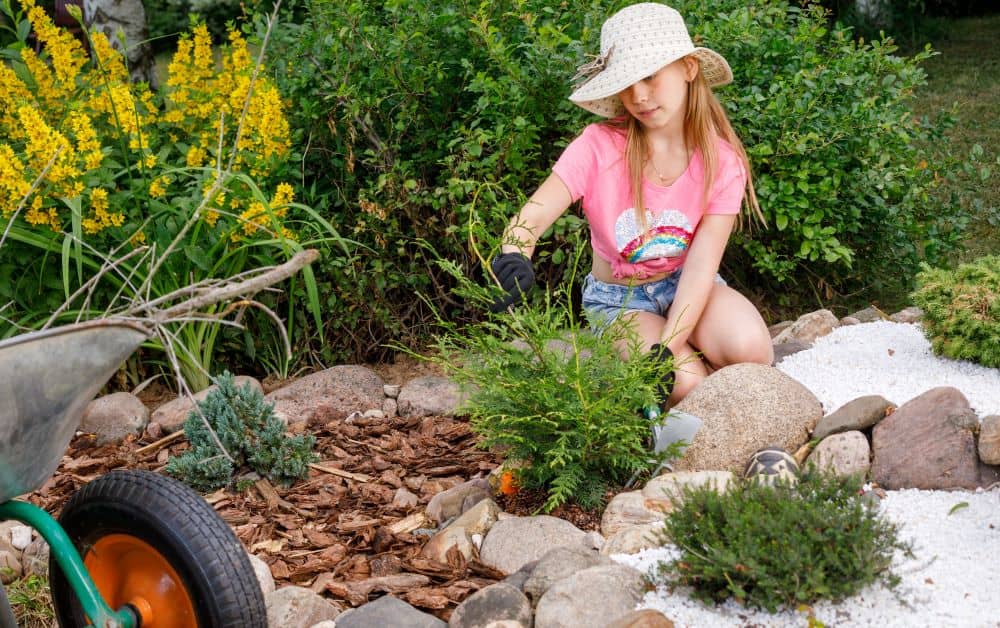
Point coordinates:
[(430, 395), (634, 539), (629, 509), (784, 349), (666, 491), (298, 607), (113, 417), (745, 407), (808, 327), (450, 502), (646, 618), (857, 414), (989, 439), (592, 598), (559, 563), (513, 542), (336, 392), (263, 573)]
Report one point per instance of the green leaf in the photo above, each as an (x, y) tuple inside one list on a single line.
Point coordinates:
[(957, 507)]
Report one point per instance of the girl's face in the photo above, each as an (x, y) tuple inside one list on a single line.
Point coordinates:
[(659, 99)]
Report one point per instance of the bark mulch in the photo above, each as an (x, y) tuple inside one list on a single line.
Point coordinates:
[(338, 531)]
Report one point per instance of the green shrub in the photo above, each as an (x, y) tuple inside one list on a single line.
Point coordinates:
[(784, 545), (414, 116), (247, 428), (557, 401), (962, 310)]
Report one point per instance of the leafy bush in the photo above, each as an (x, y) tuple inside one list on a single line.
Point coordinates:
[(784, 545), (558, 402), (251, 435), (417, 116), (962, 310), (174, 187)]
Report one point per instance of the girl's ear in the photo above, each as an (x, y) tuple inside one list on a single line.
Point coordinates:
[(691, 68)]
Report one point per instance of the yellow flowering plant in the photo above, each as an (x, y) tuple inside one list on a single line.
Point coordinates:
[(160, 190)]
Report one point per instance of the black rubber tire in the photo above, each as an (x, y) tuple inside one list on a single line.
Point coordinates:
[(178, 523)]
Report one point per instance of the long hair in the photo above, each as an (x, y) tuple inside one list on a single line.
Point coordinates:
[(704, 121)]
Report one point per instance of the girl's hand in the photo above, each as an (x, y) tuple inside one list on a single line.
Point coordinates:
[(516, 275)]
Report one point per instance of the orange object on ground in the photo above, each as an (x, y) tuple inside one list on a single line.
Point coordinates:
[(508, 483)]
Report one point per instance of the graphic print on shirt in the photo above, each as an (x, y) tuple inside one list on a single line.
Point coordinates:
[(669, 235)]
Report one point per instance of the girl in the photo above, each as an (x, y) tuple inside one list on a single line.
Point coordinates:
[(661, 182)]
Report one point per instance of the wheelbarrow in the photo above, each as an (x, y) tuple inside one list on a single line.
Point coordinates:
[(131, 548)]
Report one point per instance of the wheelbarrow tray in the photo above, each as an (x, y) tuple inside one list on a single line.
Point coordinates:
[(47, 378)]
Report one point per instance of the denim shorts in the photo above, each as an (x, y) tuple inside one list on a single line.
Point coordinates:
[(605, 302)]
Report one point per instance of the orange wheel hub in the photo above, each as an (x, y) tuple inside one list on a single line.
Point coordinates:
[(128, 570)]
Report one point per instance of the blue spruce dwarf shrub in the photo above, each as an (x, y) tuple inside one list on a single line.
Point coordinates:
[(246, 426), (962, 310)]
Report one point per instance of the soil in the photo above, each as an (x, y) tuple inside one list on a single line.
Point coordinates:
[(332, 531)]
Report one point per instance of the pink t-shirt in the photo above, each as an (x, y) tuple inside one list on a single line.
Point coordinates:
[(593, 168)]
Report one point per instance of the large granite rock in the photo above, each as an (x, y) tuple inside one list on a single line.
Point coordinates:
[(745, 407)]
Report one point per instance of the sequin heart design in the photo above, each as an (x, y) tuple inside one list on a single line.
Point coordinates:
[(669, 235)]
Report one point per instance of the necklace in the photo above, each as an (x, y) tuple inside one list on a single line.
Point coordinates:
[(652, 163)]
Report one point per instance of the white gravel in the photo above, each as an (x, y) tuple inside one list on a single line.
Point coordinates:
[(954, 579), (889, 359)]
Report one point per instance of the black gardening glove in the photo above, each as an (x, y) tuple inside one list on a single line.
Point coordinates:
[(659, 353), (516, 275)]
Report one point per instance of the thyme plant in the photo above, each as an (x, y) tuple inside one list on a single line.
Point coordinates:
[(784, 545)]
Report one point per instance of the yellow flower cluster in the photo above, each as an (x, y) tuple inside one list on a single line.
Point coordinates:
[(101, 218), (81, 122), (58, 119), (258, 217), (201, 99)]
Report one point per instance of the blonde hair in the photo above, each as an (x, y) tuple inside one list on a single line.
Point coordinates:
[(704, 121)]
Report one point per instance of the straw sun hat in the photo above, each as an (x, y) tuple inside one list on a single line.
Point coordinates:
[(636, 42)]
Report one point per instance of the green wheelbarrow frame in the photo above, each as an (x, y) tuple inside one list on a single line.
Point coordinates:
[(47, 378)]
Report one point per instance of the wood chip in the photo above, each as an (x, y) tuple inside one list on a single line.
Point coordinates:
[(358, 477), (410, 523)]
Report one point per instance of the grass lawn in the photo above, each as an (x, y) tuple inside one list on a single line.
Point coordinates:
[(966, 73)]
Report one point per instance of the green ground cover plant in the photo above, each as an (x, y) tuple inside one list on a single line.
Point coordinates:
[(244, 424), (962, 310), (785, 545), (31, 601)]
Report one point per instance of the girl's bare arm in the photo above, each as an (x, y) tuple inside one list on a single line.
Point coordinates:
[(549, 202)]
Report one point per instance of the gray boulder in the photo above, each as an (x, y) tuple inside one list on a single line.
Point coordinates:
[(113, 417), (592, 598)]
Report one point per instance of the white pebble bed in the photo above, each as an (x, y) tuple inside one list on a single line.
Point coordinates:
[(889, 359), (953, 580)]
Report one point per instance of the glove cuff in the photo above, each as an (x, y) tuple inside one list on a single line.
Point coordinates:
[(661, 352)]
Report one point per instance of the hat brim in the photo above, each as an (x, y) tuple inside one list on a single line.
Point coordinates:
[(600, 93)]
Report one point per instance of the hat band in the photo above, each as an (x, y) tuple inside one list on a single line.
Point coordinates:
[(595, 66)]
